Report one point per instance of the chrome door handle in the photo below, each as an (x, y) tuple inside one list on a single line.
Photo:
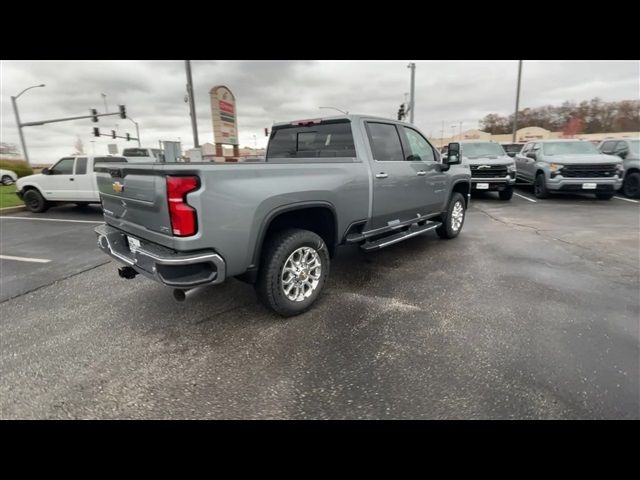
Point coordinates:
[(421, 173), (381, 175)]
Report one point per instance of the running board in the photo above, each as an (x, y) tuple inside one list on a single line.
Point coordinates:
[(400, 236)]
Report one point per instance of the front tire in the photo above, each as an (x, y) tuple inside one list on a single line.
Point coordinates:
[(506, 194), (294, 268), (631, 186), (7, 180), (453, 218), (540, 187), (35, 202)]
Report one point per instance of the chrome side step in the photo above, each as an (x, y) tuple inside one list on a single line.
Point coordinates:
[(400, 236)]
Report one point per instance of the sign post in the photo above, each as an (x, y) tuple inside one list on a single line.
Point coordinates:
[(225, 121)]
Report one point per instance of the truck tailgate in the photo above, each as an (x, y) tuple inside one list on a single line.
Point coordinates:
[(134, 199)]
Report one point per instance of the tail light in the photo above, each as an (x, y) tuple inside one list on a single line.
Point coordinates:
[(183, 216)]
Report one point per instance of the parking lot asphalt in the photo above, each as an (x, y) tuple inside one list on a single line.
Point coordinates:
[(532, 312), (39, 249)]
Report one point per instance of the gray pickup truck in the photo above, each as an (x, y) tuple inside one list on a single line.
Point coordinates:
[(492, 169), (349, 179), (568, 166)]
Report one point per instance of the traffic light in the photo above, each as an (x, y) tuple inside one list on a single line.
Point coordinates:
[(96, 132), (123, 111), (94, 112), (401, 112), (113, 134), (266, 132), (128, 137)]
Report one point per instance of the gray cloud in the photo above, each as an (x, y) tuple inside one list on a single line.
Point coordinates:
[(268, 91)]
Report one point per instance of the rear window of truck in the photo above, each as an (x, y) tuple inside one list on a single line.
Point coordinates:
[(329, 140), (135, 152)]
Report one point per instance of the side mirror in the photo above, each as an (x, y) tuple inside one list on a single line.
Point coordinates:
[(453, 155), (511, 154), (622, 153), (532, 155), (46, 171)]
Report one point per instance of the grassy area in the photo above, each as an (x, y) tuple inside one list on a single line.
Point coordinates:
[(8, 197)]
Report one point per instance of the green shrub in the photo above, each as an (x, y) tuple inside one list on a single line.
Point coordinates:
[(21, 167)]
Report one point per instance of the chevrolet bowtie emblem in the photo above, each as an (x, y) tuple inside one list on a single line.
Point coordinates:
[(117, 187)]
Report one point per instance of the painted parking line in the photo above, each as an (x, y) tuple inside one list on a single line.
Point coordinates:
[(526, 198), (626, 199), (24, 259), (50, 219)]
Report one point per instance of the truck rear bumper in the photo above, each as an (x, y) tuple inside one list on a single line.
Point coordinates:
[(166, 266)]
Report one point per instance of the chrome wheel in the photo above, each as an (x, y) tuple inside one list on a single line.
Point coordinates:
[(457, 215), (301, 274)]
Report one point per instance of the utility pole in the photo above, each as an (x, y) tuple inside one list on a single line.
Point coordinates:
[(192, 105), (104, 97), (515, 116), (442, 135), (15, 111), (460, 130), (412, 100)]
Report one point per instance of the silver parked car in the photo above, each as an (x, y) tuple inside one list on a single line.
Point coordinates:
[(629, 151), (568, 166)]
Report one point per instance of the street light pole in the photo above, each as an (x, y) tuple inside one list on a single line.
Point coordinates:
[(412, 100), (192, 105), (104, 97), (515, 116), (137, 129), (15, 111)]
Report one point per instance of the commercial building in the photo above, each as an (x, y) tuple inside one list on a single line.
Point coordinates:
[(528, 134)]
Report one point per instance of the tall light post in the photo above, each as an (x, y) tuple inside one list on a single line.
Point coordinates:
[(334, 108), (137, 128), (15, 110), (104, 97), (192, 104), (412, 99), (515, 116), (453, 132)]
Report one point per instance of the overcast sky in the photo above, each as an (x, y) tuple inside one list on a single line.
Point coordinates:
[(268, 91)]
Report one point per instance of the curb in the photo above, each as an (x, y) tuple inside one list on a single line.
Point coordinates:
[(18, 208)]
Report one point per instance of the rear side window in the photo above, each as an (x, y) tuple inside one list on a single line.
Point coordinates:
[(135, 152), (315, 140), (81, 166), (385, 142)]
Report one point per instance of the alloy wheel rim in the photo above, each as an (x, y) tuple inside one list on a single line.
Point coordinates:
[(301, 274), (457, 215)]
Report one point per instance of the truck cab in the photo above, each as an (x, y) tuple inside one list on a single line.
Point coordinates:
[(70, 180)]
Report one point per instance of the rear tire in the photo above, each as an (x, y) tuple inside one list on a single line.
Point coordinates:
[(7, 180), (631, 185), (540, 187), (506, 194), (453, 218), (604, 196), (287, 249), (35, 202)]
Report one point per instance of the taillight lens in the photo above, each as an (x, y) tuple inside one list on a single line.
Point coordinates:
[(183, 216)]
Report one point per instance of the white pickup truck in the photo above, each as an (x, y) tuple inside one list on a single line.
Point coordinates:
[(71, 179)]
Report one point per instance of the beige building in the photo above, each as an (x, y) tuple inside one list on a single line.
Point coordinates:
[(528, 134)]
